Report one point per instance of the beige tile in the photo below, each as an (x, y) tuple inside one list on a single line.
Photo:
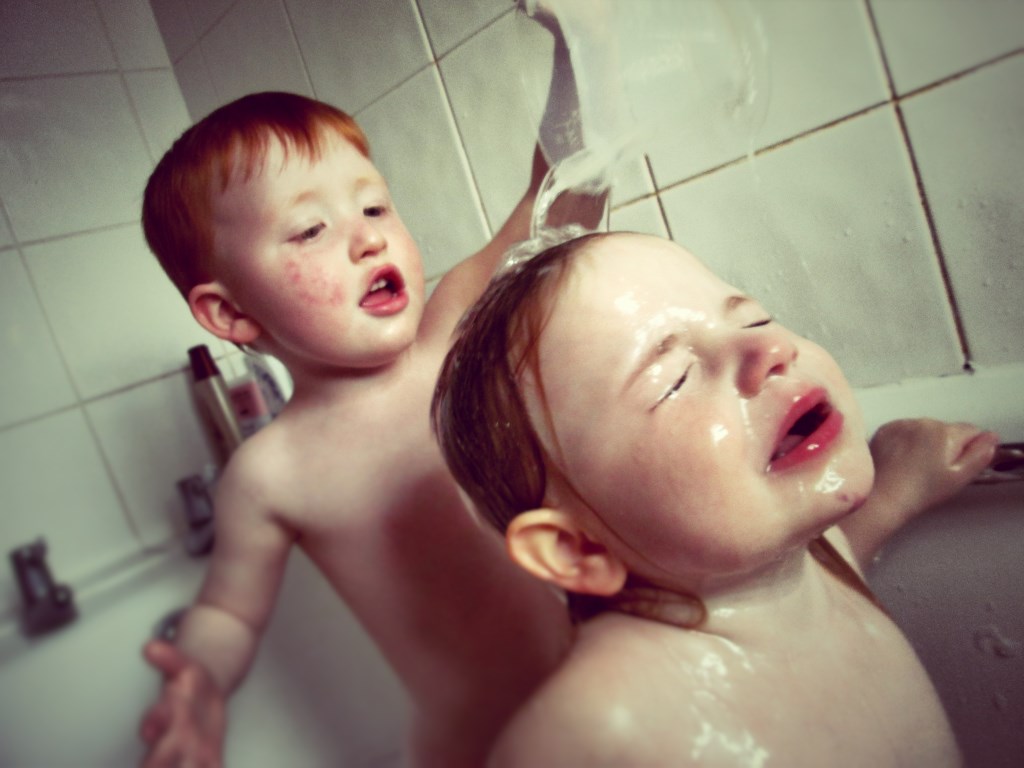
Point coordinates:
[(52, 38), (970, 147), (927, 40), (829, 233), (160, 108), (134, 33), (117, 318), (357, 52), (449, 24)]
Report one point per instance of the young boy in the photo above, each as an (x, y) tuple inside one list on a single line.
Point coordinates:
[(274, 224), (695, 477)]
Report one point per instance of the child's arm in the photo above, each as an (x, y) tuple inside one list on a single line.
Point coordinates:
[(219, 635), (918, 463)]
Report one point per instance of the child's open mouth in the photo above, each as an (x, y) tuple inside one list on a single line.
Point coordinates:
[(386, 294), (811, 426)]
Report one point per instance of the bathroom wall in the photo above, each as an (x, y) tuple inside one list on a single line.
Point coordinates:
[(96, 421), (881, 215)]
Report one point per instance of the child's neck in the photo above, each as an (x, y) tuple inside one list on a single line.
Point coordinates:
[(324, 386), (798, 591)]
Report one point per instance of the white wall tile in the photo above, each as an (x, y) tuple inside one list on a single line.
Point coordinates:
[(969, 143), (152, 437), (52, 38), (55, 486), (160, 108), (640, 216), (448, 24), (829, 233), (205, 13), (116, 316), (6, 238), (134, 33), (497, 82), (927, 40), (432, 190), (176, 28), (822, 65), (196, 85), (72, 157), (357, 52), (33, 378), (252, 49)]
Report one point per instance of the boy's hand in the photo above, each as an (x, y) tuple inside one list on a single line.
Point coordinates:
[(922, 462), (185, 727)]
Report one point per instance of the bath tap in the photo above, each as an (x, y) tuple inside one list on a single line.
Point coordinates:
[(1007, 465)]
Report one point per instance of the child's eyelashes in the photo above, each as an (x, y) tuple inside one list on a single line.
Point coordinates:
[(676, 386), (309, 233), (375, 210), (760, 323)]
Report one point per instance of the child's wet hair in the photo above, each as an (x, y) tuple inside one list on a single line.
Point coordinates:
[(478, 411), (233, 139)]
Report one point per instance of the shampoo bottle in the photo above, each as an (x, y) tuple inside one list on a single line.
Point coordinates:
[(214, 402)]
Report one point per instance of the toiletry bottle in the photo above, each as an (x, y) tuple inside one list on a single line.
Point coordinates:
[(214, 402)]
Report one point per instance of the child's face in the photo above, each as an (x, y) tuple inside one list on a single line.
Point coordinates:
[(671, 394), (316, 254)]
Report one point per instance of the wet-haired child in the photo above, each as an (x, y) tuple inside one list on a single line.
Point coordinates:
[(274, 224), (695, 477)]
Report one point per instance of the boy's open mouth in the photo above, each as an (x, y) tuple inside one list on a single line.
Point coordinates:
[(812, 426), (385, 286)]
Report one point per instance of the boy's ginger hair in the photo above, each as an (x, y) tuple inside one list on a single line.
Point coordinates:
[(176, 208)]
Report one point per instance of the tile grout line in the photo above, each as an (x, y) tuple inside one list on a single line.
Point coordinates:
[(940, 255)]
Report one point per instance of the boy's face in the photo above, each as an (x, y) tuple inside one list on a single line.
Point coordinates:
[(315, 253), (706, 438)]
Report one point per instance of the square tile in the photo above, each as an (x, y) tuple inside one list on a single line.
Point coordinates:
[(55, 486), (206, 13), (196, 85), (828, 232), (448, 25), (116, 316), (176, 27), (134, 33), (927, 40), (38, 38), (152, 436), (822, 64), (357, 52), (433, 190), (6, 238), (34, 380), (969, 146), (642, 216), (252, 49), (160, 107), (72, 157)]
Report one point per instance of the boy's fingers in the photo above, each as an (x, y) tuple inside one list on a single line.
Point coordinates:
[(977, 453), (165, 657)]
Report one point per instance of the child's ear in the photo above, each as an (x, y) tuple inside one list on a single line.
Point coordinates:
[(553, 547), (214, 309)]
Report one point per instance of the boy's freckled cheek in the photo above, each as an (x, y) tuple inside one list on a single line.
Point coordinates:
[(313, 284)]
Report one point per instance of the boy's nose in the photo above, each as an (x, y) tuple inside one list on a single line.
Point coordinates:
[(367, 240), (764, 353)]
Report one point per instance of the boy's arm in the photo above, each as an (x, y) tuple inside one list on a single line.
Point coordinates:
[(919, 463), (219, 635)]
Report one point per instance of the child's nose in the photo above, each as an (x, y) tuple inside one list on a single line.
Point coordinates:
[(367, 240), (764, 352)]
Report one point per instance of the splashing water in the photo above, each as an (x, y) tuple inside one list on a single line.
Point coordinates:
[(657, 73)]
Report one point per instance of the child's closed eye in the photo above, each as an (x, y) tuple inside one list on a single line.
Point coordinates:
[(760, 323), (310, 233), (676, 386)]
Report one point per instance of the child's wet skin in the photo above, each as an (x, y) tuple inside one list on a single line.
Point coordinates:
[(687, 370)]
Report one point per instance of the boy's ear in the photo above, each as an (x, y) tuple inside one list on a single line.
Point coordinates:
[(552, 546), (214, 309)]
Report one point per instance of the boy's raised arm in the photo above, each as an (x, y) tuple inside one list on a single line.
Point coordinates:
[(919, 463)]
